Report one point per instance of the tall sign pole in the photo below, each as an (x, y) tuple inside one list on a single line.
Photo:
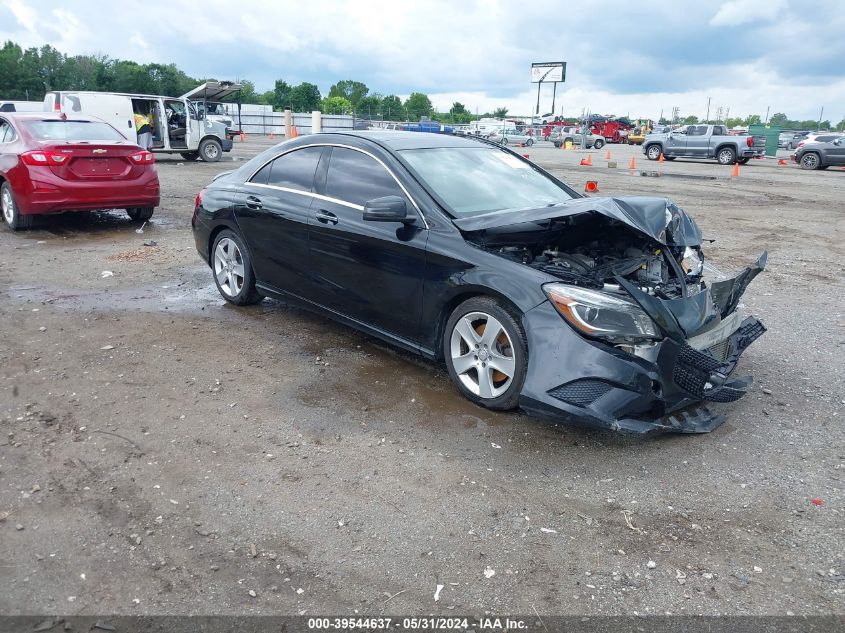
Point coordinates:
[(548, 72)]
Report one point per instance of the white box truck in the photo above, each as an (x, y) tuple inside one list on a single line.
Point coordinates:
[(177, 126)]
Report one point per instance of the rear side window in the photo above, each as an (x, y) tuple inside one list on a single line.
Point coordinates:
[(7, 132), (294, 170), (56, 130), (827, 138), (355, 177)]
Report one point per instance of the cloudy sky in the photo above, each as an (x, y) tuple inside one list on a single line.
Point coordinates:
[(624, 57)]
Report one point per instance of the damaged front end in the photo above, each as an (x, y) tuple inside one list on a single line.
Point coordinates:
[(651, 338)]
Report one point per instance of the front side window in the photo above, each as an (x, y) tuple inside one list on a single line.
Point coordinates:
[(57, 130), (478, 180), (355, 177), (294, 170)]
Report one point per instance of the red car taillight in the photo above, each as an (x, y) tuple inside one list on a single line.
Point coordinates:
[(197, 205), (143, 157), (39, 158), (750, 141)]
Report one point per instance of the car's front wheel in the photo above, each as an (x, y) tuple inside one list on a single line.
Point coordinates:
[(598, 144), (12, 215), (653, 152), (810, 160), (529, 142), (486, 353), (232, 267), (210, 150)]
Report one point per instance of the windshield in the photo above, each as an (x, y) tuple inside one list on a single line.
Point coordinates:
[(72, 131), (478, 180)]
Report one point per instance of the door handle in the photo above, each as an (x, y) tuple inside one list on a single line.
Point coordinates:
[(253, 203), (326, 217)]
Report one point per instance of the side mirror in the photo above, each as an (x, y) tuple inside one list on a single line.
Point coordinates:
[(387, 209)]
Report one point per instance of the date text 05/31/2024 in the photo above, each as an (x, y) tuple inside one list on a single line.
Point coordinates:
[(432, 623)]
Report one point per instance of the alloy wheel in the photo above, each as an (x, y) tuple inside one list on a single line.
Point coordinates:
[(809, 161), (482, 355), (229, 267), (8, 206)]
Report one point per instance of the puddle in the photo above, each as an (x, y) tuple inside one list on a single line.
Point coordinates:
[(86, 227), (171, 298)]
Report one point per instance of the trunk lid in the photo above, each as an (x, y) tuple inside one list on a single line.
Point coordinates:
[(95, 161)]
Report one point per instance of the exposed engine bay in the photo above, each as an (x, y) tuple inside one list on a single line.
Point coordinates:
[(591, 251)]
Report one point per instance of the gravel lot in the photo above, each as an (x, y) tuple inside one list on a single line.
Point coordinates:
[(163, 452)]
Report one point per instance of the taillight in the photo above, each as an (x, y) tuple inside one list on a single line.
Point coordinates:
[(198, 199), (56, 105), (750, 141), (143, 157), (197, 205), (39, 158)]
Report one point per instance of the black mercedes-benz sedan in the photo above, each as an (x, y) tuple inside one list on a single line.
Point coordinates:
[(597, 310)]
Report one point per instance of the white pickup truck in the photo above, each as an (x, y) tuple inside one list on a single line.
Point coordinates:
[(704, 141)]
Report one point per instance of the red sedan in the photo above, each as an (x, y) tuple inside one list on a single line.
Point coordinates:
[(52, 163)]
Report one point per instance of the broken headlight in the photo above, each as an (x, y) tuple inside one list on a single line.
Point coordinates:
[(601, 314), (692, 262)]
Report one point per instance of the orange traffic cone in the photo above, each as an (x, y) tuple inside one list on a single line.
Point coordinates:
[(293, 132), (661, 159), (736, 171), (781, 161), (589, 159), (242, 137), (584, 163), (607, 156), (633, 164)]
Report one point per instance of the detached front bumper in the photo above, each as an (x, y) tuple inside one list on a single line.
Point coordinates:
[(594, 384)]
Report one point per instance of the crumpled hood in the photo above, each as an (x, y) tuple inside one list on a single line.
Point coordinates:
[(658, 218)]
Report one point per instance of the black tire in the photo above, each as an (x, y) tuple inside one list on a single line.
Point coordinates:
[(515, 352), (210, 150), (190, 155), (504, 141), (529, 142), (598, 143), (12, 215), (652, 152), (726, 155), (810, 160), (245, 294), (140, 214), (557, 144), (568, 140), (743, 161)]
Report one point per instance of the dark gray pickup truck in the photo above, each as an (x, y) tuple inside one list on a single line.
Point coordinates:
[(704, 141)]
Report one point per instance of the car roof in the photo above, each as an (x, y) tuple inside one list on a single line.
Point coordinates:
[(397, 140)]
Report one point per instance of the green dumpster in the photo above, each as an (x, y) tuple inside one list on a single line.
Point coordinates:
[(771, 133)]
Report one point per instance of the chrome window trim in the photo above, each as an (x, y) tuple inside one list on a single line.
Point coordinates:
[(310, 194), (345, 203), (11, 127)]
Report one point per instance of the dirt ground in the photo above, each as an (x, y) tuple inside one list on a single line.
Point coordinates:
[(163, 452)]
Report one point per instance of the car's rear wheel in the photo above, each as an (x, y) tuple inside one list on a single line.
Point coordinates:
[(12, 215), (140, 214), (726, 156), (210, 150), (810, 160), (232, 267), (652, 152), (486, 353)]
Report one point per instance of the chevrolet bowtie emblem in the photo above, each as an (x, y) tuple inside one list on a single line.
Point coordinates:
[(99, 151)]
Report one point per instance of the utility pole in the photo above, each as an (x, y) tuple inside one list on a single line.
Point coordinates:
[(707, 118), (767, 115), (819, 125)]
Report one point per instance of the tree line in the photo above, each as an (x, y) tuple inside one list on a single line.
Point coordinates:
[(27, 74), (779, 119)]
